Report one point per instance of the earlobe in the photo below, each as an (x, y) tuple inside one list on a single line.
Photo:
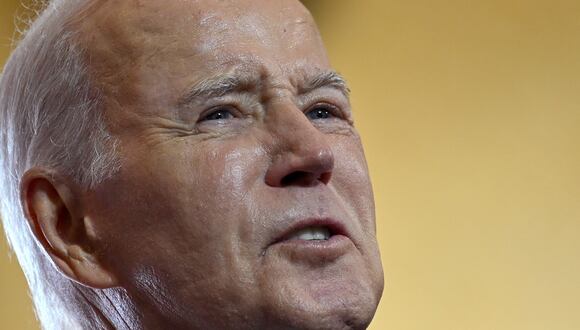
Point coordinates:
[(54, 212)]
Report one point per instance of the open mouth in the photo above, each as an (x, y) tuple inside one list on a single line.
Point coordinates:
[(313, 230), (315, 233), (315, 241)]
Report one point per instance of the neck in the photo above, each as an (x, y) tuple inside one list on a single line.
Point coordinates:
[(107, 308)]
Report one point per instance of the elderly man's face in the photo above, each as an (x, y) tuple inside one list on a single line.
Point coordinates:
[(243, 200)]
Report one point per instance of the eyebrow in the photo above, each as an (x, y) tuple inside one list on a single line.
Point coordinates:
[(325, 79), (229, 83), (218, 86)]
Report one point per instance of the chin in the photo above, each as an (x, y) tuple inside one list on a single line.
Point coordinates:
[(339, 314), (332, 301)]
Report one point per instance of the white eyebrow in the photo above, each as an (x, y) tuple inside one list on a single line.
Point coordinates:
[(324, 79), (228, 83), (218, 86)]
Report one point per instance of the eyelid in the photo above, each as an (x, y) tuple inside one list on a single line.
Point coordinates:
[(229, 107), (335, 110)]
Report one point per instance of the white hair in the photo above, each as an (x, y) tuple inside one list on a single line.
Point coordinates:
[(51, 116)]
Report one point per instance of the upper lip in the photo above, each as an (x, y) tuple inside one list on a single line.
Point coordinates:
[(335, 226)]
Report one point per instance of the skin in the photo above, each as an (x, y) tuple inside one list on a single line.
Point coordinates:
[(190, 225)]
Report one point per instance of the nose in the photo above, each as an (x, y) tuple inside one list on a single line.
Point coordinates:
[(303, 155)]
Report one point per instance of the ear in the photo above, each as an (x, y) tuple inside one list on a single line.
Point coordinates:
[(55, 214)]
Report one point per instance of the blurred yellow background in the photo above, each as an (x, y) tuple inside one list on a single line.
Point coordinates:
[(470, 114)]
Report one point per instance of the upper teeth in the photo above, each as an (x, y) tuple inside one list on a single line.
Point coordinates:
[(312, 233)]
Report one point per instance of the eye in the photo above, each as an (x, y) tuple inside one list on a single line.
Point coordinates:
[(321, 111), (221, 113)]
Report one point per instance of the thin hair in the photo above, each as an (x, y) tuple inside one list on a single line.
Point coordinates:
[(51, 117)]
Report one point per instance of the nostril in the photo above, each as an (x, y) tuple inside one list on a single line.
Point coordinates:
[(325, 177), (295, 178), (304, 179), (307, 166)]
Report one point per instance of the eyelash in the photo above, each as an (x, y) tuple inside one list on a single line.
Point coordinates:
[(332, 110), (220, 108)]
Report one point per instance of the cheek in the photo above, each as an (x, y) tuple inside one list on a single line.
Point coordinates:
[(184, 205), (351, 180)]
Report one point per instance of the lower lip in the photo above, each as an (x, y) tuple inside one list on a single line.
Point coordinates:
[(315, 251)]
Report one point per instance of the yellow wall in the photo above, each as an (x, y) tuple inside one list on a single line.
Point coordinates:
[(470, 111)]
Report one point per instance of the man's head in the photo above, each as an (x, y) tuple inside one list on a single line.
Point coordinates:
[(232, 189)]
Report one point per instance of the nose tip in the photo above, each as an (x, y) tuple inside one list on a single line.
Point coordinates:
[(301, 153), (309, 167)]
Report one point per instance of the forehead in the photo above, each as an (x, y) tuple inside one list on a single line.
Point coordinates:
[(203, 36)]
